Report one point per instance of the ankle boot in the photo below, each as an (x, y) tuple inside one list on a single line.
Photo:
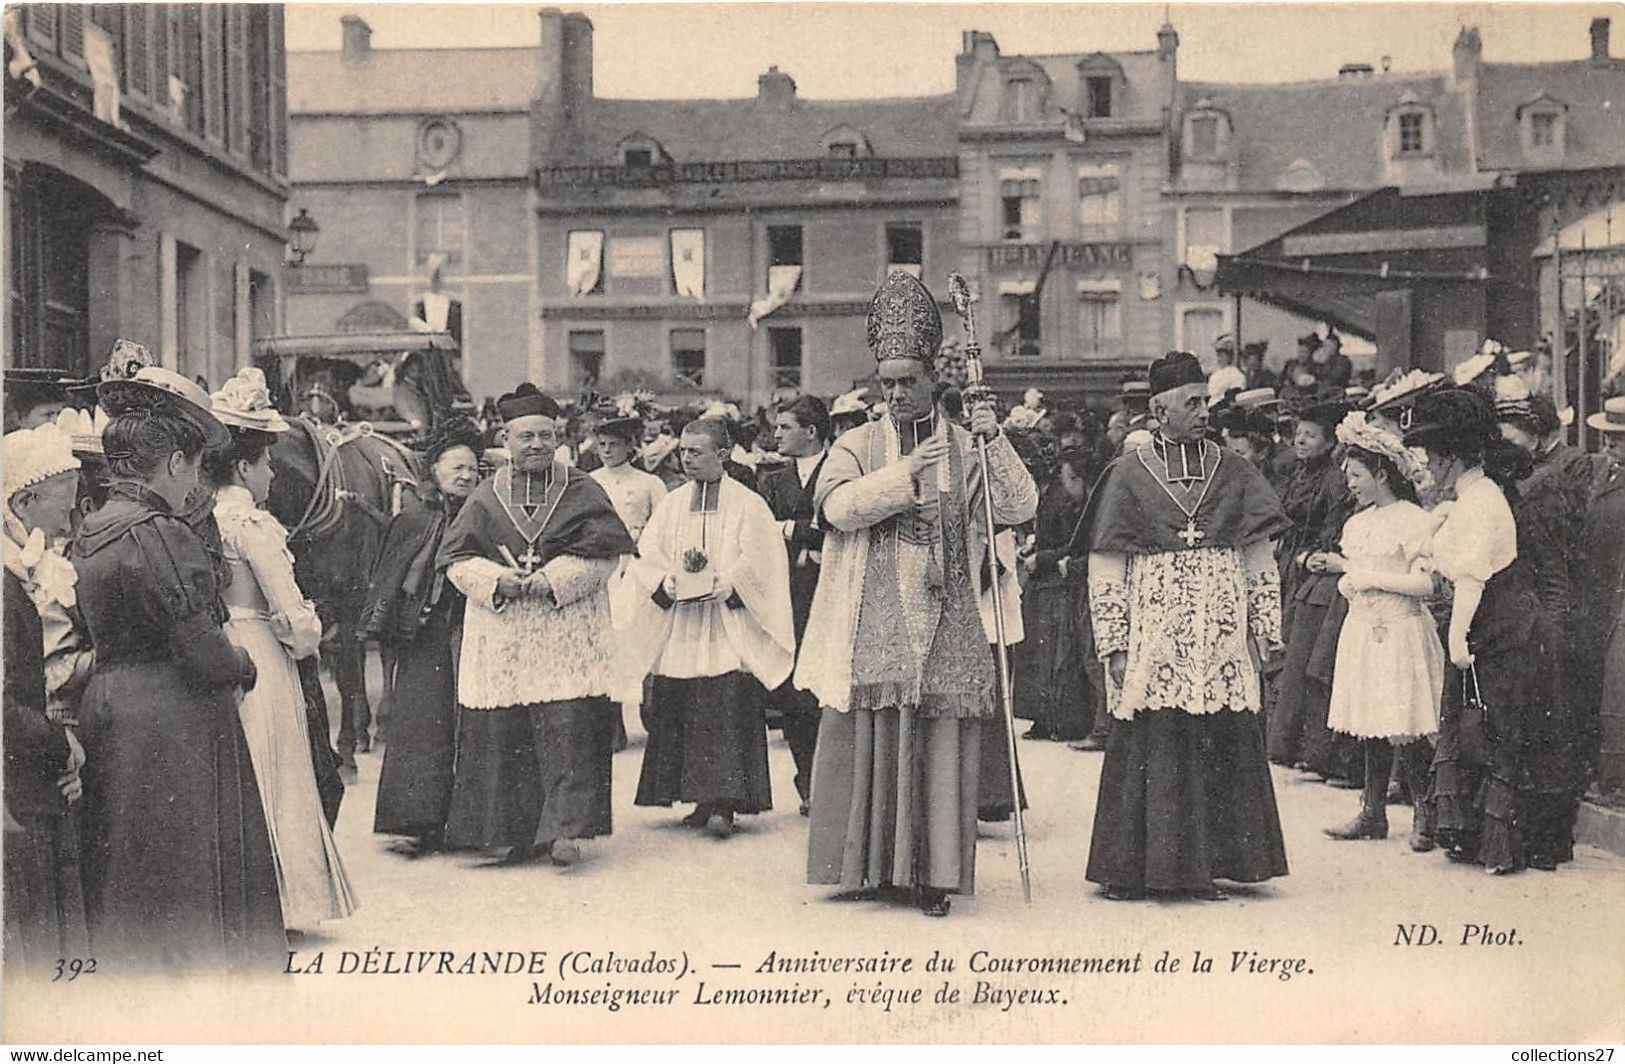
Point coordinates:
[(1416, 760), (1372, 823)]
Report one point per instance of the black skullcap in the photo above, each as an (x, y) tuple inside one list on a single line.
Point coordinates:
[(526, 401), (1175, 370)]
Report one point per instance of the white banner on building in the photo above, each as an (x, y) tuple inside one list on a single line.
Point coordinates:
[(688, 262), (637, 256), (585, 255), (781, 285), (103, 73)]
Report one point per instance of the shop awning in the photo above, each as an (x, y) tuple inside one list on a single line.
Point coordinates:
[(1334, 267)]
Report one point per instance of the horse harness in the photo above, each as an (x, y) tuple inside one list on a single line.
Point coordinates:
[(331, 491)]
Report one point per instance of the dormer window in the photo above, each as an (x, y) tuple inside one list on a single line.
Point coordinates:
[(1102, 83), (1205, 137), (1099, 102), (1022, 94), (845, 142), (1410, 134), (1410, 129), (639, 152), (1207, 132), (1026, 91), (1543, 130), (1543, 125)]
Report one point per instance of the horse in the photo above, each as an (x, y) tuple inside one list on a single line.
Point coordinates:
[(336, 487)]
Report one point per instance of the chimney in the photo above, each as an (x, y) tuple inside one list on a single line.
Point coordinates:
[(1599, 38), (775, 89), (357, 39), (547, 110), (1465, 55), (577, 62), (1167, 42)]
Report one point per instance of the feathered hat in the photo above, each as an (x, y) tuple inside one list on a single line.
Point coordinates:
[(1412, 462), (244, 402)]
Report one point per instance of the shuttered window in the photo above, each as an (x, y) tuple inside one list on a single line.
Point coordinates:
[(42, 24), (72, 30), (137, 51), (158, 19), (279, 96), (235, 51)]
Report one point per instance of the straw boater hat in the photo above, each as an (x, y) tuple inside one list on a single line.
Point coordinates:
[(1611, 418), (245, 403), (155, 388)]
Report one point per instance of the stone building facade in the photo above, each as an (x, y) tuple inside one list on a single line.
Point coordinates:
[(414, 164), (145, 182)]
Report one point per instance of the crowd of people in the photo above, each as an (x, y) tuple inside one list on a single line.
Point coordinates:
[(1413, 590)]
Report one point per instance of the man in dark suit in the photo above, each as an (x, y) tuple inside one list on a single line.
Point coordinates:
[(802, 429)]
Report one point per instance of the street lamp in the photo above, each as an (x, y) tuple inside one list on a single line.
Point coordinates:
[(302, 234)]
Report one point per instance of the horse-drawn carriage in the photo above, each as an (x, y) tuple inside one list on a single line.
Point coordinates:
[(357, 403), (402, 383)]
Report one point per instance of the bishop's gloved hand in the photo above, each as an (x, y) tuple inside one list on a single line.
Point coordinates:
[(983, 421), (538, 587), (510, 586)]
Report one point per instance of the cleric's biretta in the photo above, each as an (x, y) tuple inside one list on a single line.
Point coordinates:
[(526, 401), (1175, 370)]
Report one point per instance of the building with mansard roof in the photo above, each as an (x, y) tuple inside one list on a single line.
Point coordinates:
[(1291, 174), (1062, 228), (725, 246), (145, 182)]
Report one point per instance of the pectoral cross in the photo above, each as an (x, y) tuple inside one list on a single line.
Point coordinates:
[(1192, 535), (530, 558)]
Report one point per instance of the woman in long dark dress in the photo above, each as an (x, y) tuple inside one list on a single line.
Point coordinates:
[(412, 609), (1317, 499), (178, 871), (1051, 687), (1492, 762)]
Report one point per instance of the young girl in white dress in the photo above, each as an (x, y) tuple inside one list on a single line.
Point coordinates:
[(273, 621), (1390, 664)]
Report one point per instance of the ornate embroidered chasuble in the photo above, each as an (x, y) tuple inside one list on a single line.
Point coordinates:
[(918, 581)]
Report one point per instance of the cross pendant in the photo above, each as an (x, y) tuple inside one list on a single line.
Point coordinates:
[(529, 559), (1192, 535)]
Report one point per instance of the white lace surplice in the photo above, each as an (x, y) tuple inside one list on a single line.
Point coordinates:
[(1188, 617)]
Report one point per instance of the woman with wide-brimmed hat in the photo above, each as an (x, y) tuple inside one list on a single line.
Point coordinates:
[(1503, 685), (178, 868)]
